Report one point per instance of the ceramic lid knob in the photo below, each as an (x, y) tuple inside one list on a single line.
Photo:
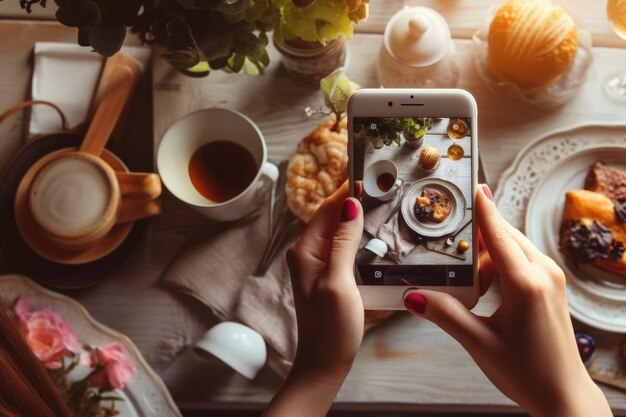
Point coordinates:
[(417, 36)]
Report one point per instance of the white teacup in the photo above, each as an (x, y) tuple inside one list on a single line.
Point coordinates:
[(239, 346), (381, 180), (187, 135)]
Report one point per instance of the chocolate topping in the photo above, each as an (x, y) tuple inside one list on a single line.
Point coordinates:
[(620, 208), (587, 243), (617, 250)]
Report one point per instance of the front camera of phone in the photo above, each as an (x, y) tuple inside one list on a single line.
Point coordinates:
[(412, 96), (390, 103)]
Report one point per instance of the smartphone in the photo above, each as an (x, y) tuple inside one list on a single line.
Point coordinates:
[(413, 156)]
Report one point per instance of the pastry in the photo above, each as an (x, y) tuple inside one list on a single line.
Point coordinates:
[(592, 232), (531, 42), (317, 169), (433, 205), (429, 158), (606, 180)]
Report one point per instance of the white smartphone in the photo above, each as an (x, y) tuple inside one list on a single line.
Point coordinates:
[(414, 153)]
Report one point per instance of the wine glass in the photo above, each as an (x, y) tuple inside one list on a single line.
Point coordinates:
[(615, 86)]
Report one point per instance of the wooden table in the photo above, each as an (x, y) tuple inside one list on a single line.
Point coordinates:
[(407, 363)]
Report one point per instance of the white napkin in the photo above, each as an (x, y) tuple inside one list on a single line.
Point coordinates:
[(67, 75)]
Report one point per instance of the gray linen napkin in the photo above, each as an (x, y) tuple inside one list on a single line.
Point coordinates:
[(395, 233), (218, 272)]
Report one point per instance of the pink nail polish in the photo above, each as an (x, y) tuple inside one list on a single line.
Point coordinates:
[(487, 192), (349, 211), (416, 303)]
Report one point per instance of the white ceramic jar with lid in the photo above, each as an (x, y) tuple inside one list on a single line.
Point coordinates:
[(417, 51)]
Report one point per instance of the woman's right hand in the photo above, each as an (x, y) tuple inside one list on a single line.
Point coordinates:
[(527, 346)]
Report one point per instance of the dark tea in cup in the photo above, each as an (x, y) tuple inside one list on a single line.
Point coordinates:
[(221, 170), (385, 181)]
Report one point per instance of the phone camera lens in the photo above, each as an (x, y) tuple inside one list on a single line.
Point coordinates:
[(412, 96), (390, 103)]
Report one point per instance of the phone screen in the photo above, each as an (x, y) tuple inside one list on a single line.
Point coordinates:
[(417, 194)]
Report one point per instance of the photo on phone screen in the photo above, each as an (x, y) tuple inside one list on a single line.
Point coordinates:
[(416, 174)]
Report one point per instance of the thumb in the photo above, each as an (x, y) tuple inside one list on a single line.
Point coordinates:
[(449, 314), (345, 241)]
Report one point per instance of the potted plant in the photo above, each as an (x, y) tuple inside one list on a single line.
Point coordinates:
[(203, 35), (414, 129), (311, 35), (380, 131)]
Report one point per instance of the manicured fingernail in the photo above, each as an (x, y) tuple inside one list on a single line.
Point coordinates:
[(415, 303), (350, 210), (487, 191)]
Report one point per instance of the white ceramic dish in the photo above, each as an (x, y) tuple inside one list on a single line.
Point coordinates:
[(145, 395), (529, 169), (595, 297), (239, 346), (432, 229)]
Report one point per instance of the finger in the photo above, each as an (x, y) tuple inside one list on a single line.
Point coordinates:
[(449, 314), (505, 252), (324, 222), (531, 251), (487, 272), (345, 242), (358, 189)]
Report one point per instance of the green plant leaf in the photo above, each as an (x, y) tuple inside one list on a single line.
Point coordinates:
[(321, 21), (85, 15), (107, 38), (217, 46), (231, 7), (337, 90)]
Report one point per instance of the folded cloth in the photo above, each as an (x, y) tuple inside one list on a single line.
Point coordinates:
[(67, 75), (218, 271), (395, 233)]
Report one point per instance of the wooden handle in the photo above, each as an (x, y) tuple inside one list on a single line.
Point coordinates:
[(143, 184), (118, 78), (134, 208), (29, 103)]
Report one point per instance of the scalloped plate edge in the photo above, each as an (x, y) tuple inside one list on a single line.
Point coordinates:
[(507, 173), (114, 334)]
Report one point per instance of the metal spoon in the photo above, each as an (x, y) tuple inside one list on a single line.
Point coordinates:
[(450, 240)]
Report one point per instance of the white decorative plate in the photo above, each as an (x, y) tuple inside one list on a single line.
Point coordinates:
[(432, 229), (145, 395), (592, 303), (595, 297)]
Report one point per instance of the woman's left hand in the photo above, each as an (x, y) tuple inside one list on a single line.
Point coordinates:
[(328, 307)]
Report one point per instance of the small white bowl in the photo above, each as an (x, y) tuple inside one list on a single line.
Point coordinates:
[(377, 246), (239, 346)]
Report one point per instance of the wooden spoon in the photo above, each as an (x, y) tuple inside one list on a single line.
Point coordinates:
[(119, 77)]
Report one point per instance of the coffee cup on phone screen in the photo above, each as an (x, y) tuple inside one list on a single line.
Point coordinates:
[(381, 180)]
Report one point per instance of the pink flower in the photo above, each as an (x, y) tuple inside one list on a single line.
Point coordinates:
[(115, 370), (47, 334)]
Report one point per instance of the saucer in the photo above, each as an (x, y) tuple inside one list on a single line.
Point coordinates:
[(36, 240), (23, 256)]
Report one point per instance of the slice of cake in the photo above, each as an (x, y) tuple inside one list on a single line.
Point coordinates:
[(606, 180), (592, 231)]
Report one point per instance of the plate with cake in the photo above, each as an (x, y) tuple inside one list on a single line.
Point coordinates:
[(577, 216), (433, 207)]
